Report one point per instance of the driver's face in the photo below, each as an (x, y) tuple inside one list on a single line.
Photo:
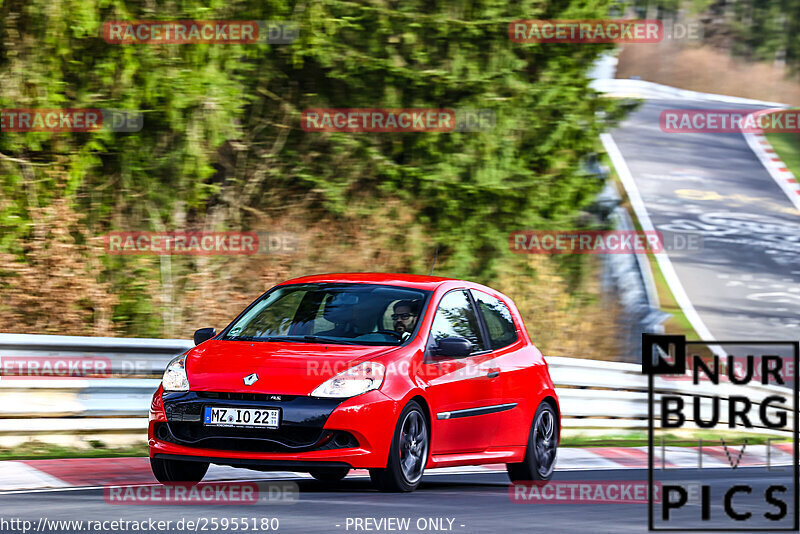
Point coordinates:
[(404, 319)]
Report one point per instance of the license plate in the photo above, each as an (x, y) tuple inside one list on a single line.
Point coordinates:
[(260, 417)]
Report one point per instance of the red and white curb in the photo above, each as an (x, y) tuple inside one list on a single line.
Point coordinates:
[(18, 475), (776, 168)]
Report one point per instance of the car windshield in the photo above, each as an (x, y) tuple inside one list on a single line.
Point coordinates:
[(351, 314)]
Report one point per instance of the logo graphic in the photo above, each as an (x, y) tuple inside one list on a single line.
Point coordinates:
[(249, 380), (741, 395)]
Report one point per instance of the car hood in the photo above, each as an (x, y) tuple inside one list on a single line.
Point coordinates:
[(282, 368)]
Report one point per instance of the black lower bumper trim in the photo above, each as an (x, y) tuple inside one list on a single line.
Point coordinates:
[(250, 463)]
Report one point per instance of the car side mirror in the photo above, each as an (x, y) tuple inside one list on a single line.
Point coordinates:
[(204, 334), (453, 347)]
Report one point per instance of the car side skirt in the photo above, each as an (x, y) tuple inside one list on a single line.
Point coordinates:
[(490, 456)]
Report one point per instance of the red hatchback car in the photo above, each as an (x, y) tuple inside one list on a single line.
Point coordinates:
[(387, 372)]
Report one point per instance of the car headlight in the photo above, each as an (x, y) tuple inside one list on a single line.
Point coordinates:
[(354, 381), (175, 378)]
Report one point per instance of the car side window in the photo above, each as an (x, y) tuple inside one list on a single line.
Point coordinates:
[(456, 317), (497, 317)]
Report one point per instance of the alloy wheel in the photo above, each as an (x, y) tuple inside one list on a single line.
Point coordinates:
[(544, 442), (413, 446)]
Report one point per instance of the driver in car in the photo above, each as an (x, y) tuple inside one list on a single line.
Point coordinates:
[(406, 313)]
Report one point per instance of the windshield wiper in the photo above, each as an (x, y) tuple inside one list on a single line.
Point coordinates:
[(322, 339), (296, 339), (263, 338)]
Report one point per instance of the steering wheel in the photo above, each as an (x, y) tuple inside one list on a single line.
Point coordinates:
[(398, 335)]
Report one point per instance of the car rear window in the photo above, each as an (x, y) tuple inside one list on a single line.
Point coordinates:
[(499, 322)]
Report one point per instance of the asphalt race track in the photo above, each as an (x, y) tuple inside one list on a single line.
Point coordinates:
[(478, 503), (744, 280)]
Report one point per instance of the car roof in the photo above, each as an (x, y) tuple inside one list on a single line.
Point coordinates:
[(396, 279)]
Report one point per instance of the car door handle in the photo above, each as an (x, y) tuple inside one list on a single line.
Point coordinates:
[(493, 374)]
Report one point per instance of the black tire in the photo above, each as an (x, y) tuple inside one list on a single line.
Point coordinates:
[(408, 453), (330, 474), (540, 454), (187, 472)]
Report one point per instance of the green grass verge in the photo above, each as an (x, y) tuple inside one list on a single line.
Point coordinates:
[(685, 439), (677, 324), (36, 450)]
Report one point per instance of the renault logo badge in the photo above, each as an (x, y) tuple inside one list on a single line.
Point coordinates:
[(249, 380)]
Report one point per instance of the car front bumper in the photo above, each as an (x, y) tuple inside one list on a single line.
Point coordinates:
[(313, 432)]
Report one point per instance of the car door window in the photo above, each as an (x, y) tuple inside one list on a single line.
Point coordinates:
[(456, 317), (497, 317)]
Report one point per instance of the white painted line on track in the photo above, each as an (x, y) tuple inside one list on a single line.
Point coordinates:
[(667, 269)]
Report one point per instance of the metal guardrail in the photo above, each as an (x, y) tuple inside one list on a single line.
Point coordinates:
[(127, 356), (629, 277), (593, 394), (630, 88)]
